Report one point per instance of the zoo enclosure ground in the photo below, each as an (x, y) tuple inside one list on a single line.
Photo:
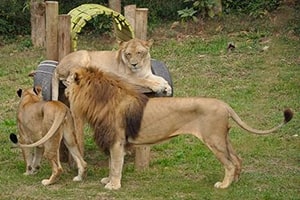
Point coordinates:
[(258, 78)]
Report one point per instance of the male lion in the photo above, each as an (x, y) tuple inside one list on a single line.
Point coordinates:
[(42, 125), (119, 116), (132, 61)]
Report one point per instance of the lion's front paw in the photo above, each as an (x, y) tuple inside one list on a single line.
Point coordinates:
[(221, 185), (77, 178), (111, 186), (46, 182), (105, 180)]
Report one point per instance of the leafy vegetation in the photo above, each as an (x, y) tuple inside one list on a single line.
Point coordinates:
[(256, 8), (258, 78), (14, 13)]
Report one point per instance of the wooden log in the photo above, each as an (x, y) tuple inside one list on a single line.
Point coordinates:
[(115, 5), (38, 23), (51, 30), (141, 22), (129, 13), (64, 48), (142, 153), (64, 36)]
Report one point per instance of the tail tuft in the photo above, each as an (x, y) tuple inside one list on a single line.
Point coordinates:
[(288, 115), (13, 137)]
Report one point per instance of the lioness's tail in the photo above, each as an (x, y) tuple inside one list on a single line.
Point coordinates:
[(55, 126), (288, 115)]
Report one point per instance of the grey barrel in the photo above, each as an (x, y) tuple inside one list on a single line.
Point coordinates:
[(43, 77)]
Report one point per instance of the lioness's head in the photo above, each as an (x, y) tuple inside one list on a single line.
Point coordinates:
[(35, 93), (135, 54)]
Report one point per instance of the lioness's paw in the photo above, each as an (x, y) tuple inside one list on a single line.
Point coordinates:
[(220, 185), (46, 182), (77, 178), (31, 172), (168, 90), (105, 180), (111, 186), (162, 87)]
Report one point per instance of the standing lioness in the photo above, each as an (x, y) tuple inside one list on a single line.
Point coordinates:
[(132, 61), (42, 125)]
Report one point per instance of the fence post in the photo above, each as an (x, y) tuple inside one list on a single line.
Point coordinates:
[(51, 30), (38, 23), (141, 22), (129, 13), (64, 36), (138, 18)]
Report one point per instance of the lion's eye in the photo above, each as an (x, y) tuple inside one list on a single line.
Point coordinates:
[(141, 53)]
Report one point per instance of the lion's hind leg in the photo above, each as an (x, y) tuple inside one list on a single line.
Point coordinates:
[(38, 154), (56, 168), (219, 146), (70, 142), (236, 160), (52, 154)]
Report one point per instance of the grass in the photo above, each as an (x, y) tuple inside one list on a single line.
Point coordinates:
[(257, 84)]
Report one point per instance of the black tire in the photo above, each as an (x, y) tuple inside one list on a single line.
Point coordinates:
[(44, 72), (160, 69)]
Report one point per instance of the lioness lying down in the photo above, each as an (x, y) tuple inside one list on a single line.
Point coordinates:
[(42, 125), (132, 61), (120, 116)]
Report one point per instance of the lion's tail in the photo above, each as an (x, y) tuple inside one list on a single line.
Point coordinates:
[(55, 126), (288, 115)]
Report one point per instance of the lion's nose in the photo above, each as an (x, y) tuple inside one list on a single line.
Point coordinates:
[(134, 65)]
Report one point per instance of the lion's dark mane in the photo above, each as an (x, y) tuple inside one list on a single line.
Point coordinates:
[(108, 104)]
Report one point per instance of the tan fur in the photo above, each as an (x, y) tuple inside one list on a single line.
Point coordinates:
[(42, 126), (161, 119), (132, 61)]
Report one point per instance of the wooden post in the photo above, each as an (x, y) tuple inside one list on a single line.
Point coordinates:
[(38, 23), (115, 5), (64, 36), (141, 22), (138, 18), (129, 13), (64, 48), (51, 30)]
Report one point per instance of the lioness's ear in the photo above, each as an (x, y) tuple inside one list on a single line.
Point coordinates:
[(37, 90), (121, 44), (150, 42), (32, 74), (19, 92)]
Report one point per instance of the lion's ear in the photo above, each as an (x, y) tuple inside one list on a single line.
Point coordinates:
[(37, 90), (19, 92), (150, 42), (76, 78)]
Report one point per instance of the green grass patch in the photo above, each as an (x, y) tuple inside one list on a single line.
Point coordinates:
[(257, 83)]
